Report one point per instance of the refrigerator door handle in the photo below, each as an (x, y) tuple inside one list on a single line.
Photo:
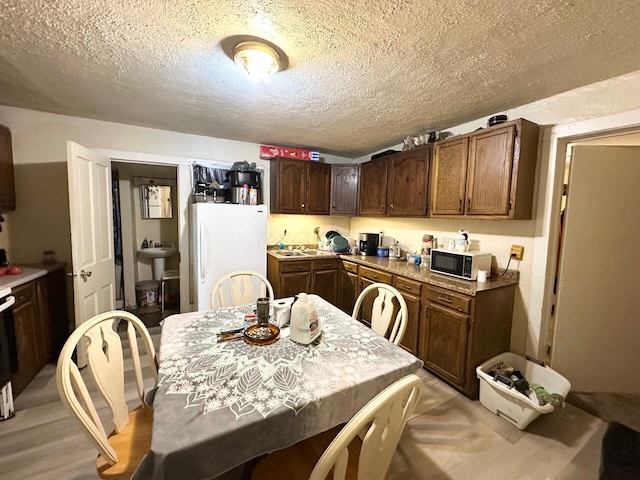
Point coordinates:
[(201, 250)]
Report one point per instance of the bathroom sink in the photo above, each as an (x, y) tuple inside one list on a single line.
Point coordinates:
[(158, 252)]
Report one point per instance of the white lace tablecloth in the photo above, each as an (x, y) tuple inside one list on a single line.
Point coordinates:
[(219, 405)]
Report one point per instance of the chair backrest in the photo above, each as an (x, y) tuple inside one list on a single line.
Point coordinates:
[(379, 424), (105, 361), (239, 289), (383, 309)]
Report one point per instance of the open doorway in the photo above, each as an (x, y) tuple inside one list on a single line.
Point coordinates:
[(146, 285), (593, 334)]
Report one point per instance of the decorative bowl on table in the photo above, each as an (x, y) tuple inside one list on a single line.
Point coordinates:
[(264, 334)]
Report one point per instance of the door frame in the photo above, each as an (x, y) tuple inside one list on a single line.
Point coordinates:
[(184, 187), (545, 259)]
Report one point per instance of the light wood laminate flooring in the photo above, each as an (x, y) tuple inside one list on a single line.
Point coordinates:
[(453, 438)]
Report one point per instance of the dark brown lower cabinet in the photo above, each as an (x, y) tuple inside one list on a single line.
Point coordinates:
[(410, 291), (28, 334), (41, 324), (319, 276), (348, 286), (458, 332)]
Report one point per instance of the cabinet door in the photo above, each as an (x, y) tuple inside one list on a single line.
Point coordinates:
[(56, 318), (344, 189), (407, 182), (325, 284), (410, 338), (445, 343), (44, 324), (490, 169), (30, 354), (7, 191), (289, 187), (373, 187), (319, 188), (448, 177), (294, 283), (348, 291)]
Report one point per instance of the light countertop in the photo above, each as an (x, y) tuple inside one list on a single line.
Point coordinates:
[(31, 272), (498, 279)]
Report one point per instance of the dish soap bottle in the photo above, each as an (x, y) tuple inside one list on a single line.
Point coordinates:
[(145, 243), (305, 325)]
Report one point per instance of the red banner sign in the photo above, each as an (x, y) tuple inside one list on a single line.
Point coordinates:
[(267, 152)]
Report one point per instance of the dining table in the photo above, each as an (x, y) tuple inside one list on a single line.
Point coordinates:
[(220, 404)]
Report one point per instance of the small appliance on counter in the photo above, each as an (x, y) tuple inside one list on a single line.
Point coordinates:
[(369, 243), (463, 265), (244, 183)]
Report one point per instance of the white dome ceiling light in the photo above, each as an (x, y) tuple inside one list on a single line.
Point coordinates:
[(257, 59)]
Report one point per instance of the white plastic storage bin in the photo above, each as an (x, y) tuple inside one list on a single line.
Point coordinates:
[(510, 404)]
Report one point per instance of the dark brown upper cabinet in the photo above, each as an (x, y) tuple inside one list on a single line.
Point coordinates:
[(396, 185), (7, 189), (486, 174), (299, 186), (344, 189)]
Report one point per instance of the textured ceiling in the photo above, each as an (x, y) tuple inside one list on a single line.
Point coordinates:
[(361, 75)]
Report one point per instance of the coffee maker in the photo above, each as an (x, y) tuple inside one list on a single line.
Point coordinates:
[(368, 243)]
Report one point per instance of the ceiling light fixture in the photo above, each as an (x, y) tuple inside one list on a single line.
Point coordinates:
[(257, 59)]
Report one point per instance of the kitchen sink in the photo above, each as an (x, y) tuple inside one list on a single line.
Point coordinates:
[(290, 253), (301, 253)]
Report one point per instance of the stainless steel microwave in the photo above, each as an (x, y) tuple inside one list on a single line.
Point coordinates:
[(460, 264)]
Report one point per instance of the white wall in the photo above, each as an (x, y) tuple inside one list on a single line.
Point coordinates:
[(41, 219)]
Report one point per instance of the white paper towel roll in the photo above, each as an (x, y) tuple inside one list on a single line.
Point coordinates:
[(482, 276), (281, 312)]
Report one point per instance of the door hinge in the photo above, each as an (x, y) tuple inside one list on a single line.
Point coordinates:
[(548, 349), (565, 189), (510, 206)]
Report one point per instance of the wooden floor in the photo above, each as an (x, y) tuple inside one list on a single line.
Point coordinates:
[(453, 438)]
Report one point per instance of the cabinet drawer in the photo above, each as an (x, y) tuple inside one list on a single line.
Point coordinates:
[(286, 267), (328, 264), (455, 301), (376, 275), (406, 285), (350, 266), (24, 293)]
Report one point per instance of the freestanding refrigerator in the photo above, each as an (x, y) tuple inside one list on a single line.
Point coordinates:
[(225, 238)]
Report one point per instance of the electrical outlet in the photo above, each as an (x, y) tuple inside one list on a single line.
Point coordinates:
[(517, 252)]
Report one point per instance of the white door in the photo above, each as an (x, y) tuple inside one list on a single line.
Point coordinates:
[(597, 339), (91, 232)]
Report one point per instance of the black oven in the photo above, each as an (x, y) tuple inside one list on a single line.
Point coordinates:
[(8, 353)]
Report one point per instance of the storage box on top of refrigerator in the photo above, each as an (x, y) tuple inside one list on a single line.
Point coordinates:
[(225, 238)]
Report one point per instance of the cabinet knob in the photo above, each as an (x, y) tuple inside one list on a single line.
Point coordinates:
[(302, 205), (391, 206)]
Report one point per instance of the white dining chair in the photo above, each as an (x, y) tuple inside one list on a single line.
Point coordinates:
[(239, 288), (383, 309), (120, 452), (361, 450)]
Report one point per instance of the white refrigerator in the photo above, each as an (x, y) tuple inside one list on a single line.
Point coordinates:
[(225, 238)]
